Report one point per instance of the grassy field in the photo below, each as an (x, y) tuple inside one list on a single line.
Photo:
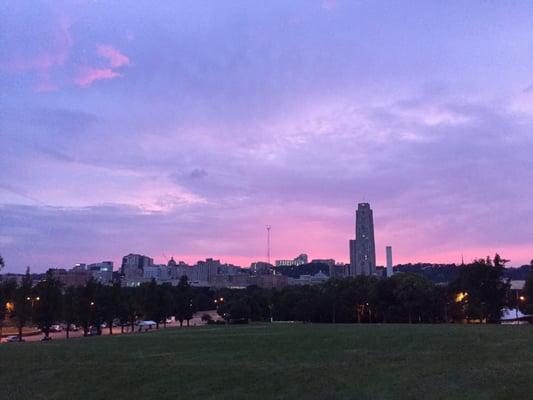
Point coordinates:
[(278, 362)]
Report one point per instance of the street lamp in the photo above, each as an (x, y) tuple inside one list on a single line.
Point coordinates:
[(32, 300)]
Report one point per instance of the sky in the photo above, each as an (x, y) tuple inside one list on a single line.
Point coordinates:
[(185, 128)]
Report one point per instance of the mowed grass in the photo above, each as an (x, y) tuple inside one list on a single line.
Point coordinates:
[(300, 361)]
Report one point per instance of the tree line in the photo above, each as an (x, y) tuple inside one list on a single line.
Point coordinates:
[(479, 293), (95, 305)]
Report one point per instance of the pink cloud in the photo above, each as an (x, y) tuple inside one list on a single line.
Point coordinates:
[(55, 52), (88, 75), (116, 58)]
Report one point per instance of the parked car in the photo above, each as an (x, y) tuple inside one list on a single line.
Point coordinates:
[(14, 339), (146, 325), (74, 328), (103, 325), (93, 331), (56, 328)]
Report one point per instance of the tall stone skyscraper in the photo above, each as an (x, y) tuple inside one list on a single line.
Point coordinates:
[(363, 259)]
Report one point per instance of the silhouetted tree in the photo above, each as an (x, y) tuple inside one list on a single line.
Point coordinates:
[(485, 291), (527, 307), (129, 307), (150, 302), (23, 303), (108, 301), (412, 292), (87, 308), (47, 310), (183, 301), (385, 300), (70, 308), (7, 294), (165, 300)]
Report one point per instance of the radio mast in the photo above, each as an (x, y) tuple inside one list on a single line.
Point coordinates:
[(268, 243)]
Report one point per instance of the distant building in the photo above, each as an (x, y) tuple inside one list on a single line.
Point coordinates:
[(269, 281), (261, 268), (363, 250), (101, 272), (316, 279), (207, 270), (132, 268), (159, 272), (231, 281), (73, 277), (339, 270), (12, 277), (327, 261), (300, 260), (390, 271), (172, 262)]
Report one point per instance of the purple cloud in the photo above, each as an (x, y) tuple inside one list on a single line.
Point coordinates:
[(228, 118)]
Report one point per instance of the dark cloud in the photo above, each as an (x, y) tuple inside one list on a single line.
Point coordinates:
[(198, 173)]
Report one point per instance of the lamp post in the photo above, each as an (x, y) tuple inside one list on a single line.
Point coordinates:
[(219, 301), (32, 300), (520, 298)]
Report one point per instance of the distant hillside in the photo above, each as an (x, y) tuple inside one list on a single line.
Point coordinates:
[(448, 272), (437, 273)]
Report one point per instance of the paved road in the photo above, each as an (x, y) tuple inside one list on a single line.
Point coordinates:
[(196, 321)]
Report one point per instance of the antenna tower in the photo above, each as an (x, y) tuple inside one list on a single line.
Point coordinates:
[(268, 243)]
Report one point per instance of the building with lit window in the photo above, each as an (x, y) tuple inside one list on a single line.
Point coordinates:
[(363, 248)]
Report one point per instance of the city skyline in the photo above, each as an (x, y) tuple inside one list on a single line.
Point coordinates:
[(184, 130)]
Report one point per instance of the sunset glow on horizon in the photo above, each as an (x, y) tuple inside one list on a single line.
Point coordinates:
[(185, 129)]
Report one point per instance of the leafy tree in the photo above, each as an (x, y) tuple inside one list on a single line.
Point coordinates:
[(360, 293), (7, 291), (129, 307), (165, 300), (412, 292), (527, 307), (108, 300), (259, 301), (47, 310), (484, 290), (70, 307), (87, 308), (330, 298), (385, 300), (150, 302), (23, 303), (183, 301), (498, 261)]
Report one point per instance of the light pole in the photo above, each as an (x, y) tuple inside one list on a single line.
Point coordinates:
[(218, 302), (32, 300), (520, 298)]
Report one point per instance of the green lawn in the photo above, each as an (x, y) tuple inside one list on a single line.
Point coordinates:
[(278, 362)]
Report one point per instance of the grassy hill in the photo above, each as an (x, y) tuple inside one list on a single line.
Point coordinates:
[(278, 362)]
